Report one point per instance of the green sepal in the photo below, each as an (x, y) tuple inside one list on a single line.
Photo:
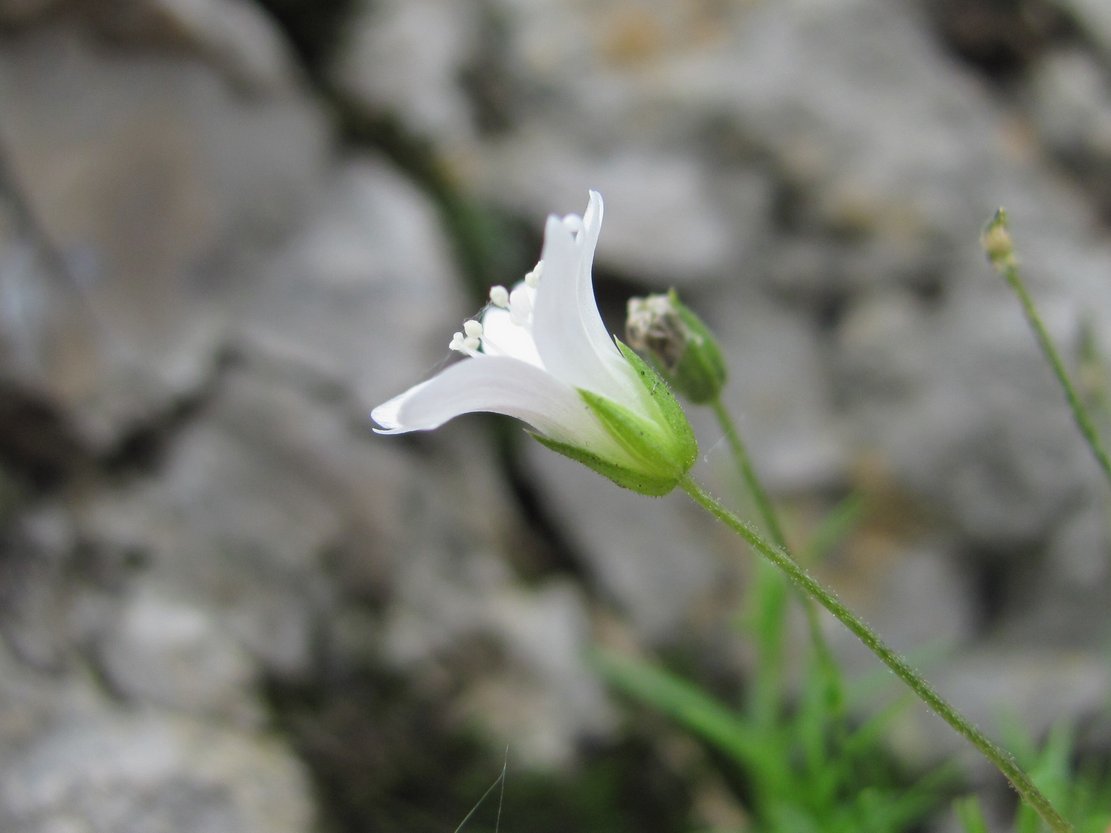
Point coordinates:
[(658, 451), (637, 481), (683, 446)]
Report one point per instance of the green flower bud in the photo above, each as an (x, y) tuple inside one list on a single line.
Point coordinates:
[(997, 243), (679, 345)]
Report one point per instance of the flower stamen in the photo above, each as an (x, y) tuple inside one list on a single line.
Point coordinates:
[(532, 279), (469, 340), (520, 306)]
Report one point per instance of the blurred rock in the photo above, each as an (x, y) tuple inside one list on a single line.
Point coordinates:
[(154, 189), (111, 773), (14, 12), (39, 584), (549, 635), (1060, 598), (779, 393), (234, 36), (508, 108), (648, 558), (460, 622), (966, 413), (1094, 20), (917, 596), (32, 698), (817, 177), (366, 292), (539, 697), (166, 652), (407, 58), (1069, 99), (240, 518)]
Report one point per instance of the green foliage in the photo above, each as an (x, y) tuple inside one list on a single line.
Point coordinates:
[(804, 769)]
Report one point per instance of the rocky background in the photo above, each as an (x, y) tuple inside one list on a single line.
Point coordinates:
[(230, 227)]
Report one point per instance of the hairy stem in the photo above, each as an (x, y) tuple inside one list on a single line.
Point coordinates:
[(779, 557), (770, 519), (1000, 251)]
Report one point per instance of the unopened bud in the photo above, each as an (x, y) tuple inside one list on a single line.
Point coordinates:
[(679, 345), (997, 243)]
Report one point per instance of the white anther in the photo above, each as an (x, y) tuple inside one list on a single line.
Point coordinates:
[(471, 344), (532, 279), (520, 305), (473, 329), (499, 296), (457, 343)]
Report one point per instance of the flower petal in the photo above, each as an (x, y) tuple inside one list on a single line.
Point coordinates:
[(567, 328), (593, 326), (592, 227), (501, 385), (502, 337)]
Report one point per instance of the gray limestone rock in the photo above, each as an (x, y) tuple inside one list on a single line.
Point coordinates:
[(1068, 98), (15, 12), (113, 773), (235, 36), (408, 58), (365, 292), (152, 189), (961, 407), (647, 557), (1094, 21), (240, 519), (166, 651)]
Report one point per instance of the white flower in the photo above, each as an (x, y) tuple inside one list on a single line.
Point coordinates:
[(541, 353)]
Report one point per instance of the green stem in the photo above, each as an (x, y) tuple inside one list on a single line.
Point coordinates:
[(779, 557), (771, 522), (748, 473), (1004, 260)]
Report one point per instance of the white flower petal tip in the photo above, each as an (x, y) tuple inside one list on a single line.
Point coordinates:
[(386, 417), (540, 352)]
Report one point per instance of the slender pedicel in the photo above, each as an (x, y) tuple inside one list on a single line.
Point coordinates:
[(902, 669)]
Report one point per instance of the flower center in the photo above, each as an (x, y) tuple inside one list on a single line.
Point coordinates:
[(473, 338)]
